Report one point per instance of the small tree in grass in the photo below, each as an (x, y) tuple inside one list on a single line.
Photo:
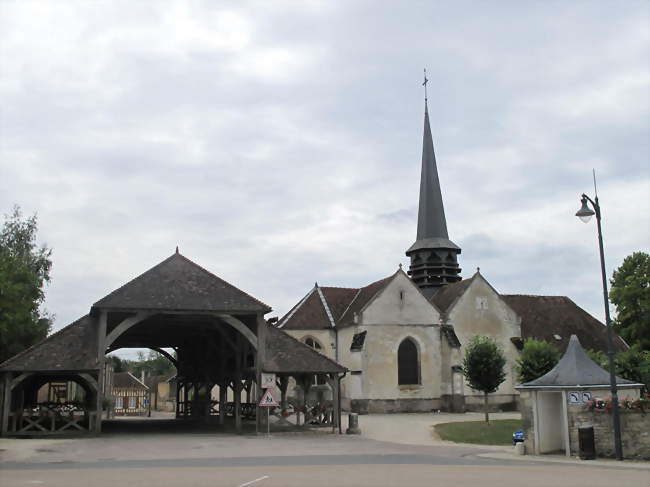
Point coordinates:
[(483, 367), (537, 358)]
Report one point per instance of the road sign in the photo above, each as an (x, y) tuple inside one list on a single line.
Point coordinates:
[(267, 400), (579, 397), (268, 380)]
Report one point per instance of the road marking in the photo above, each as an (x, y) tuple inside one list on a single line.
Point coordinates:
[(253, 481)]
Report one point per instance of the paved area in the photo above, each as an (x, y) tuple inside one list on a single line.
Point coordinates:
[(417, 428), (393, 450)]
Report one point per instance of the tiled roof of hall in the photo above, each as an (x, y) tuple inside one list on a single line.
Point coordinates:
[(179, 284), (286, 355), (326, 307), (72, 348)]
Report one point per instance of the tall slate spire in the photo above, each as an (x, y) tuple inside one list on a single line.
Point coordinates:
[(434, 258), (431, 213)]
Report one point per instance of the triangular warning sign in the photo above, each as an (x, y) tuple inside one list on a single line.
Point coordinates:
[(267, 400)]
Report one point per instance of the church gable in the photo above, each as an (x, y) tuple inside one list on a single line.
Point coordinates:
[(480, 310), (308, 314), (399, 302)]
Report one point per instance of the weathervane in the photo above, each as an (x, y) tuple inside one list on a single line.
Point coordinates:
[(425, 84)]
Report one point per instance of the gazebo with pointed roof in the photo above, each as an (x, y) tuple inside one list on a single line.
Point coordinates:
[(552, 403), (576, 370)]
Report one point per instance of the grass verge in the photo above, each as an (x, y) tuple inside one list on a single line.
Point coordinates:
[(498, 432)]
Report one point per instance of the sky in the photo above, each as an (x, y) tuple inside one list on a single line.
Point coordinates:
[(279, 143)]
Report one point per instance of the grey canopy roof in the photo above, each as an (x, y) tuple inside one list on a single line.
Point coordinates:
[(575, 369), (285, 354), (73, 348), (177, 283)]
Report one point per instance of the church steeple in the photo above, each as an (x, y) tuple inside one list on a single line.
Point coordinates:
[(434, 258)]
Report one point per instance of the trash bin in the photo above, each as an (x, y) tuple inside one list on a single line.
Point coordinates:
[(586, 443)]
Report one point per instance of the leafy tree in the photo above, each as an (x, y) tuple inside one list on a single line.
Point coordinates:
[(632, 364), (24, 271), (151, 364), (118, 364), (483, 367), (537, 358), (600, 358), (630, 293)]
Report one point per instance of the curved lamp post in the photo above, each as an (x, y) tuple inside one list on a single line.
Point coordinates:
[(585, 213)]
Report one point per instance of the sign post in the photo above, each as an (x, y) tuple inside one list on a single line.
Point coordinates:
[(268, 402)]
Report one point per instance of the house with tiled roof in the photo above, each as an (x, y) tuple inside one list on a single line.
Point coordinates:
[(402, 337)]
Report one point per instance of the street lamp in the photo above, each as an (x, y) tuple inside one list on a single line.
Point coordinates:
[(585, 213)]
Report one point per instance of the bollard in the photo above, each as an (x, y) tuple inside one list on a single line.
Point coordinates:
[(520, 449), (353, 424)]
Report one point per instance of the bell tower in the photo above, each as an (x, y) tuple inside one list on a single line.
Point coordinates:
[(434, 258)]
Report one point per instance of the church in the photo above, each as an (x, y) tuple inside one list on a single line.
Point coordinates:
[(402, 337)]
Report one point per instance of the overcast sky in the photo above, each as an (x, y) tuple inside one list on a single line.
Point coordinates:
[(279, 143)]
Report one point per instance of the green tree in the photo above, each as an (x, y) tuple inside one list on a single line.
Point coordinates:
[(483, 367), (151, 364), (119, 365), (630, 293), (24, 271), (600, 358), (537, 358), (632, 364)]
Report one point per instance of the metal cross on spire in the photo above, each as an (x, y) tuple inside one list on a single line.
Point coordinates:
[(425, 84)]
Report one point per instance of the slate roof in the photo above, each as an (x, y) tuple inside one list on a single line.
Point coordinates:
[(308, 314), (575, 368), (285, 354), (362, 298), (343, 303), (543, 317), (179, 284), (338, 299), (73, 348), (447, 295), (126, 380)]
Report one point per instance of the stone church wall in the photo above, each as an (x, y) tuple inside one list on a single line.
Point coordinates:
[(480, 311)]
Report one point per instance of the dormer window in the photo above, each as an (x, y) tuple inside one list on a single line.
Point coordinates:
[(357, 341)]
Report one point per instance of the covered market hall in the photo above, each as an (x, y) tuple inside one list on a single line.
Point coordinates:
[(215, 335)]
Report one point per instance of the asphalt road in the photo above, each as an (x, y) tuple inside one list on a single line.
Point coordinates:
[(327, 473), (163, 458)]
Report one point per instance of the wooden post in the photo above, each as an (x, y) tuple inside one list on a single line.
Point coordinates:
[(238, 385), (260, 414), (101, 358), (284, 383), (223, 399), (6, 403), (335, 402), (178, 394)]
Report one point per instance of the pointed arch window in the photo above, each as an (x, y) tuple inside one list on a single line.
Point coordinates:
[(408, 363)]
